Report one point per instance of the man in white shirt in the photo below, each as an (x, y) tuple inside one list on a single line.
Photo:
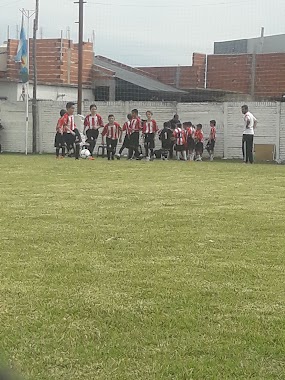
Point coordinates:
[(250, 123)]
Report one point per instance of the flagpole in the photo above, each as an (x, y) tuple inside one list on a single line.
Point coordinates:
[(28, 14), (28, 82)]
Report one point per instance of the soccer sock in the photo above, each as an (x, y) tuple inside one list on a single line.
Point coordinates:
[(77, 149), (57, 152), (121, 150), (146, 151), (63, 152), (184, 155), (151, 153)]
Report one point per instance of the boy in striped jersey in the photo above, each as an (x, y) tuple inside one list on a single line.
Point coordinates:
[(71, 133), (135, 129), (126, 129), (112, 131), (149, 131), (190, 143), (92, 123), (212, 140), (199, 141), (180, 141), (59, 141)]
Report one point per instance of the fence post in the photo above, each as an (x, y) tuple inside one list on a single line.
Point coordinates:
[(226, 130), (278, 127)]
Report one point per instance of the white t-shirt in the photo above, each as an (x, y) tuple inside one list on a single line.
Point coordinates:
[(252, 119)]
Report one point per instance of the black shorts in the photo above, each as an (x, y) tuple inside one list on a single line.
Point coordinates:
[(69, 139), (149, 140), (111, 144), (166, 145), (59, 140), (211, 145), (180, 148), (199, 147), (92, 134), (135, 140), (191, 144), (126, 142)]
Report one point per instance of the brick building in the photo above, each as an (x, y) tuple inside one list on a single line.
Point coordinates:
[(260, 75), (57, 63)]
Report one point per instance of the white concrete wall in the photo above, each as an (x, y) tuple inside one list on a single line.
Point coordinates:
[(13, 119), (270, 115), (13, 91)]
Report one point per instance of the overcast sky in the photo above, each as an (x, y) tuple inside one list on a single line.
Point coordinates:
[(152, 32)]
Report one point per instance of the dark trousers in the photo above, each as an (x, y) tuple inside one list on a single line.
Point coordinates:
[(171, 150), (126, 144), (92, 135), (134, 145), (247, 148), (111, 147)]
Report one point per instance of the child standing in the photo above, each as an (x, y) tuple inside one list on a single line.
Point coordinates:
[(212, 140), (199, 140), (92, 123), (126, 129), (180, 141), (71, 133), (149, 131), (59, 141), (135, 129), (165, 136), (190, 143), (112, 131)]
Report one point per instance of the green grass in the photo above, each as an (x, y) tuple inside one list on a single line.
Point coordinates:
[(134, 270)]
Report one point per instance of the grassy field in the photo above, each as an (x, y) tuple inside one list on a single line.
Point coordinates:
[(133, 270)]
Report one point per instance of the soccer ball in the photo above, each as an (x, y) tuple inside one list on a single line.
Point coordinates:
[(85, 153)]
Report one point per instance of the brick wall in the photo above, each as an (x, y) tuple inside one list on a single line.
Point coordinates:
[(270, 75), (234, 73), (57, 62), (182, 77), (229, 72)]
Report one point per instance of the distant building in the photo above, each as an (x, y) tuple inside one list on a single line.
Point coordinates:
[(57, 61), (266, 45), (113, 80)]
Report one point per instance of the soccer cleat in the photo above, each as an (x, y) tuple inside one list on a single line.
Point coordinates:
[(147, 159)]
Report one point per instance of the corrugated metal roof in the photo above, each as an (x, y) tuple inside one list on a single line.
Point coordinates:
[(133, 76)]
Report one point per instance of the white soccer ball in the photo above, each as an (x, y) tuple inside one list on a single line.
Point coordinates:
[(85, 153)]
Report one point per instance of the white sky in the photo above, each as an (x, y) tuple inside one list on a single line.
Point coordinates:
[(152, 32)]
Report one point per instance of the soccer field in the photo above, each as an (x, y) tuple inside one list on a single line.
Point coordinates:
[(142, 270)]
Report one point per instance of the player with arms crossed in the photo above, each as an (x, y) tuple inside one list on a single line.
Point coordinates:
[(149, 132), (180, 142), (112, 131)]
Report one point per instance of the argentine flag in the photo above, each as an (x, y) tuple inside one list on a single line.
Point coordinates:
[(22, 55)]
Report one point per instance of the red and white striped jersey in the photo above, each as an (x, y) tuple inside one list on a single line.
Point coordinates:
[(180, 136), (67, 122), (199, 136), (127, 127), (59, 126), (189, 133), (136, 125), (150, 127), (93, 122), (213, 133), (112, 131)]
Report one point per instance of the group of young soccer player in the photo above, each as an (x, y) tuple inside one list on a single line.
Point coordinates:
[(185, 139)]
